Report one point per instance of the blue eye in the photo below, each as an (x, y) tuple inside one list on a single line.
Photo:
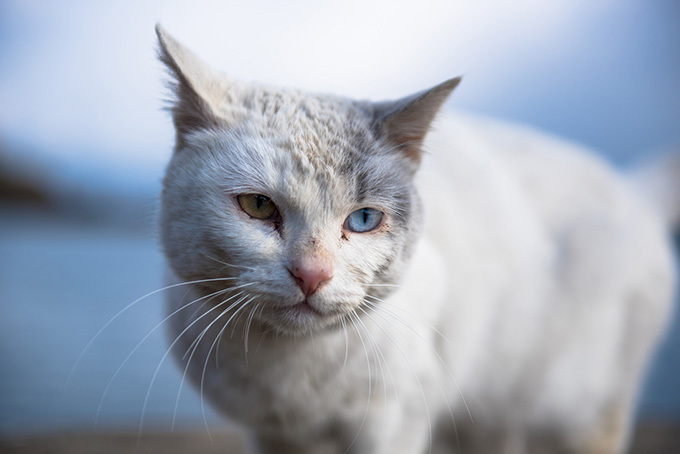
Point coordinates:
[(363, 220)]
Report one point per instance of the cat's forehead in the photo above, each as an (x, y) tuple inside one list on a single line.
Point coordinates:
[(323, 130), (307, 138), (301, 168), (310, 152)]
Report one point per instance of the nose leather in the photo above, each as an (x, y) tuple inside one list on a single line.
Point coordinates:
[(311, 272)]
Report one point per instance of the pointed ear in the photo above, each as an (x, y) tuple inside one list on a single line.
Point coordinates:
[(197, 88), (405, 122)]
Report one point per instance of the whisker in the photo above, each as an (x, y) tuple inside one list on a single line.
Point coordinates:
[(380, 308), (415, 375), (262, 334), (233, 326), (344, 362), (242, 267), (127, 358), (247, 330), (197, 339), (194, 345), (378, 354), (165, 355), (207, 358), (397, 286), (188, 363), (407, 312), (445, 308), (122, 311), (354, 317)]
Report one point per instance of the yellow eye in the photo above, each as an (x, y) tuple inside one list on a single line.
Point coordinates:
[(257, 206)]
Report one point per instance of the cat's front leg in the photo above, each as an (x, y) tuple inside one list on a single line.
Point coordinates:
[(392, 427), (411, 440), (610, 434), (337, 438), (280, 444)]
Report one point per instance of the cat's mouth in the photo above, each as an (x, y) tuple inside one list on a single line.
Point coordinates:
[(304, 315), (302, 308)]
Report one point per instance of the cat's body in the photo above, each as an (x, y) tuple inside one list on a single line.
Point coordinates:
[(512, 311)]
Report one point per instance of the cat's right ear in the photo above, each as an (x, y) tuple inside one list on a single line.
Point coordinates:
[(198, 89), (404, 123)]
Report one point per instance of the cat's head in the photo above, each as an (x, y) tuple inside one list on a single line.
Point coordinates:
[(305, 203)]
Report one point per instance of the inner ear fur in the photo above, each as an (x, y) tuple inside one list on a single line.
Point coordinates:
[(198, 89), (405, 122)]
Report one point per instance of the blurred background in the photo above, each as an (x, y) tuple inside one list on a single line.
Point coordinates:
[(84, 141)]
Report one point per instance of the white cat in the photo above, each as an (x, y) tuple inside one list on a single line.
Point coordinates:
[(500, 293)]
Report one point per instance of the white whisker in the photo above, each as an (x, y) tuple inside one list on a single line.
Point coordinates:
[(415, 375), (354, 317), (380, 358), (122, 311), (409, 313), (241, 267), (167, 352), (197, 339), (194, 344), (344, 361), (247, 330), (139, 344), (207, 357), (379, 308)]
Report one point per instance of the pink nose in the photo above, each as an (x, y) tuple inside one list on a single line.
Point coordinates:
[(311, 272)]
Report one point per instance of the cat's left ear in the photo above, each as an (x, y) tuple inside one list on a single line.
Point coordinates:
[(199, 90), (405, 122)]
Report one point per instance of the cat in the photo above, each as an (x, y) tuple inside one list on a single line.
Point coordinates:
[(360, 281)]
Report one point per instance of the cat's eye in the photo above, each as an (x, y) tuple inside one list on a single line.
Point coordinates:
[(257, 206), (363, 220)]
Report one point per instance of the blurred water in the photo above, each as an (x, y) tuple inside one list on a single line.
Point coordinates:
[(60, 282), (661, 393)]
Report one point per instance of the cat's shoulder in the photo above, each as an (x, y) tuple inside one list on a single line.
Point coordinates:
[(513, 144), (544, 167), (521, 172)]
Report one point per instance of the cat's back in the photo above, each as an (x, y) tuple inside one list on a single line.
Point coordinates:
[(547, 250), (546, 240), (543, 193), (554, 184)]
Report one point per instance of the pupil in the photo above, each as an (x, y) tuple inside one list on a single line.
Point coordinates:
[(366, 215), (260, 201)]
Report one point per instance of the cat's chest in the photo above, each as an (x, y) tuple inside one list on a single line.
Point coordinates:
[(287, 382)]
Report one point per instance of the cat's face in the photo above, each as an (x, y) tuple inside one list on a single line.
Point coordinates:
[(304, 203), (305, 213)]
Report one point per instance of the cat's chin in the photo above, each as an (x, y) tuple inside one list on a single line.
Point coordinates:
[(301, 318)]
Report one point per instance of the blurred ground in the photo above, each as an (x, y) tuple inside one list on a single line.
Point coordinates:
[(649, 439), (124, 443)]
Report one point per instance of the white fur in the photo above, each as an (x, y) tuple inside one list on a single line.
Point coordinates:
[(522, 322)]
